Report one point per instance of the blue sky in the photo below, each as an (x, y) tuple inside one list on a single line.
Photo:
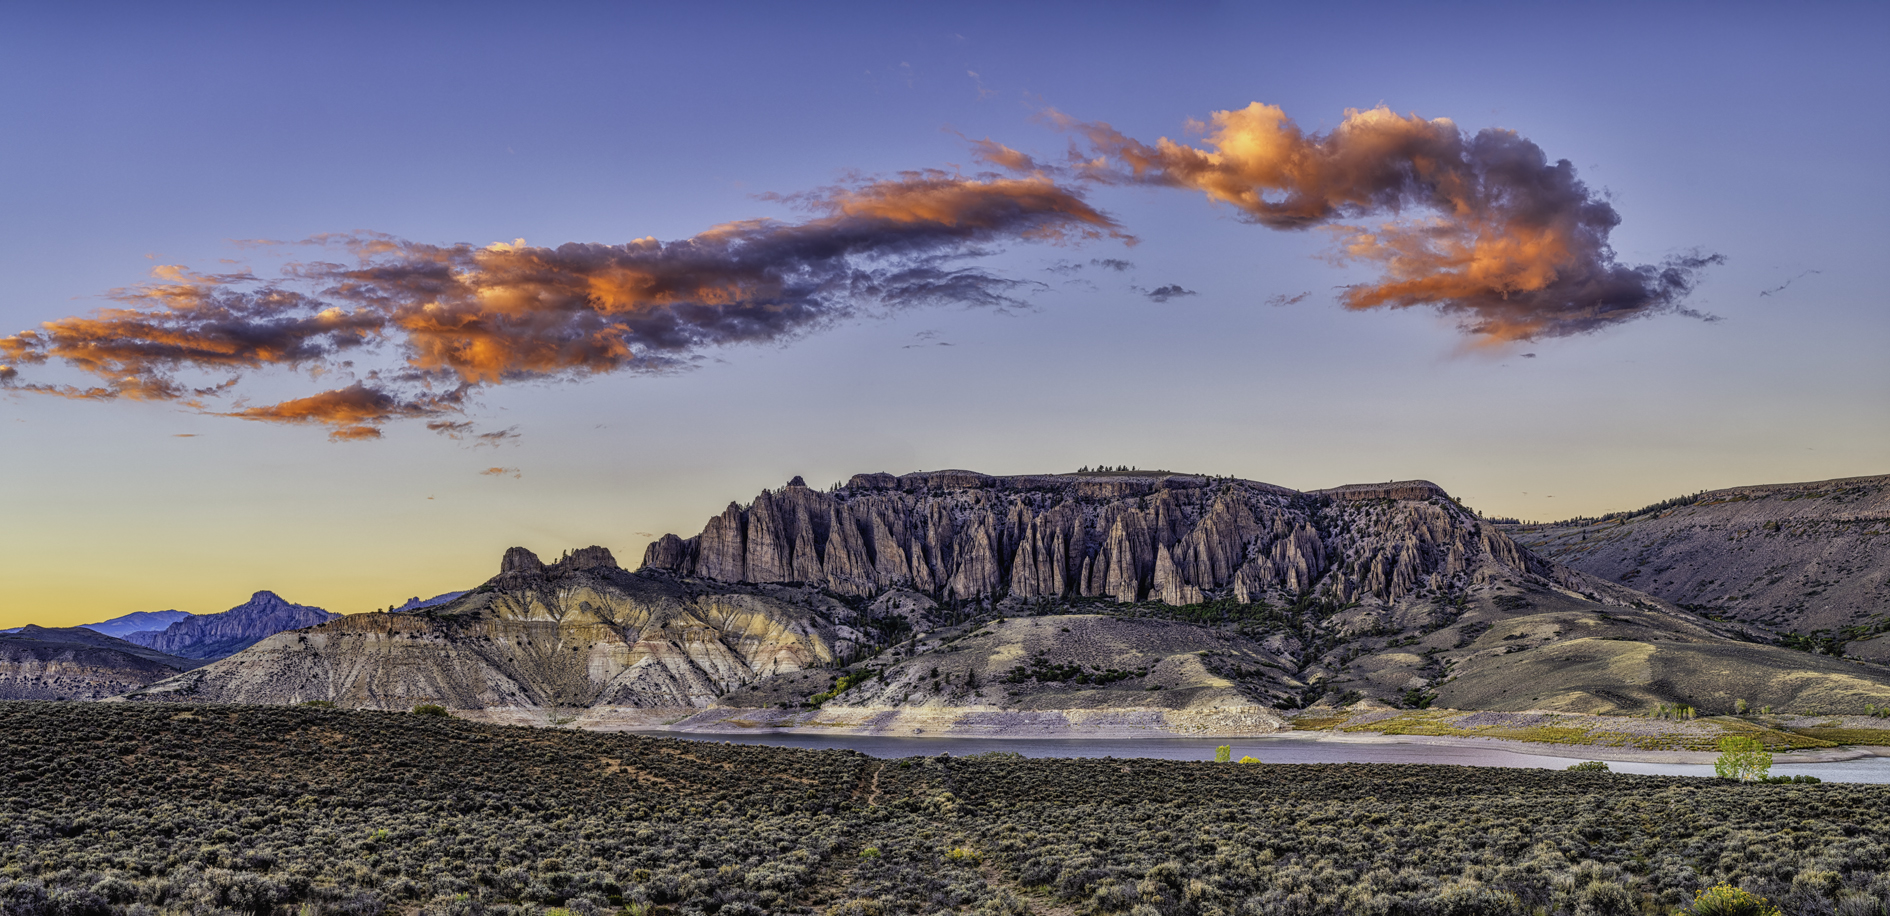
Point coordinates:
[(136, 137)]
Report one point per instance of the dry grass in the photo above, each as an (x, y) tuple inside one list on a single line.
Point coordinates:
[(1863, 736), (1593, 731)]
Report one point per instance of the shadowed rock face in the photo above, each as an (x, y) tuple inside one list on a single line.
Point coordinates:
[(211, 636), (1802, 556), (1175, 539), (75, 663), (575, 633)]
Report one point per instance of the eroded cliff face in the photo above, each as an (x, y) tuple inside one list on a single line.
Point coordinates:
[(576, 633), (1174, 539)]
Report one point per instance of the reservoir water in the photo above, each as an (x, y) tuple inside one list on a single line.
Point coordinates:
[(1273, 750)]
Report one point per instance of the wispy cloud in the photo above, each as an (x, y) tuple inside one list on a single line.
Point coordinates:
[(1483, 228), (460, 317), (1782, 286)]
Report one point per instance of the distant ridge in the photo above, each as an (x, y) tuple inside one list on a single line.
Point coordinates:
[(76, 663), (137, 622), (213, 636), (1795, 557), (417, 603)]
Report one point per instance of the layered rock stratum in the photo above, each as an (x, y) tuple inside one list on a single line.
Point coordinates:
[(961, 603), (572, 634)]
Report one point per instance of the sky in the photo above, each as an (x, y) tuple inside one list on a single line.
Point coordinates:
[(342, 302)]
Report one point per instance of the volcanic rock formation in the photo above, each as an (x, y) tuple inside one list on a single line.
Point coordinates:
[(1175, 539)]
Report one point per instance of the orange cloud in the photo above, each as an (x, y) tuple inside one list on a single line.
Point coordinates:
[(351, 413), (1481, 227), (458, 317)]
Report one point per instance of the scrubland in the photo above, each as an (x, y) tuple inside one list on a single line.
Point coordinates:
[(158, 809)]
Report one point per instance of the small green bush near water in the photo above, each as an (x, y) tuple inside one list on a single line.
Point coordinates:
[(1224, 753), (1589, 766), (1726, 900), (430, 709), (1742, 758)]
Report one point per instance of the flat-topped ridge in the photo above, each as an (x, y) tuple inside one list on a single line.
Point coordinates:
[(1394, 489)]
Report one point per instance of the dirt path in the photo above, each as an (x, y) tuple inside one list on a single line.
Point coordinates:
[(872, 789)]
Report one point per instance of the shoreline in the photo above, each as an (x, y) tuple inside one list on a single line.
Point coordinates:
[(1213, 724), (1527, 748), (1597, 751)]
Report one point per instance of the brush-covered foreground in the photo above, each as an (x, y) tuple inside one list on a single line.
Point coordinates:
[(131, 808)]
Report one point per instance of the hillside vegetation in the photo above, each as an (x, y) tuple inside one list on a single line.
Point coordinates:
[(203, 810), (1804, 558)]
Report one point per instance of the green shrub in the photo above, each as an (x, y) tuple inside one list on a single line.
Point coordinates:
[(1589, 766), (1726, 900), (846, 683), (1742, 758), (1223, 753), (964, 855), (430, 709)]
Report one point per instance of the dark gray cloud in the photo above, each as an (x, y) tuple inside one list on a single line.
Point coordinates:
[(1165, 293)]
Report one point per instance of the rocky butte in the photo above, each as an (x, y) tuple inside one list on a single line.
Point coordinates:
[(954, 602)]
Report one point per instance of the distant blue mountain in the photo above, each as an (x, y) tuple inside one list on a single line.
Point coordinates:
[(416, 603), (137, 621), (212, 636)]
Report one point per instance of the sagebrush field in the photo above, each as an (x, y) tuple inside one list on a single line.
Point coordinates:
[(122, 808)]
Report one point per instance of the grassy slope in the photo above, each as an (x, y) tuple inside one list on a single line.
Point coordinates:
[(1793, 557)]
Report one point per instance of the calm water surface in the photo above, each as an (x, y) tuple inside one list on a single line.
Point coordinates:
[(1272, 750)]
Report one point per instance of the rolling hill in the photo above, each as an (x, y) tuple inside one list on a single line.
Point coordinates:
[(76, 663)]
